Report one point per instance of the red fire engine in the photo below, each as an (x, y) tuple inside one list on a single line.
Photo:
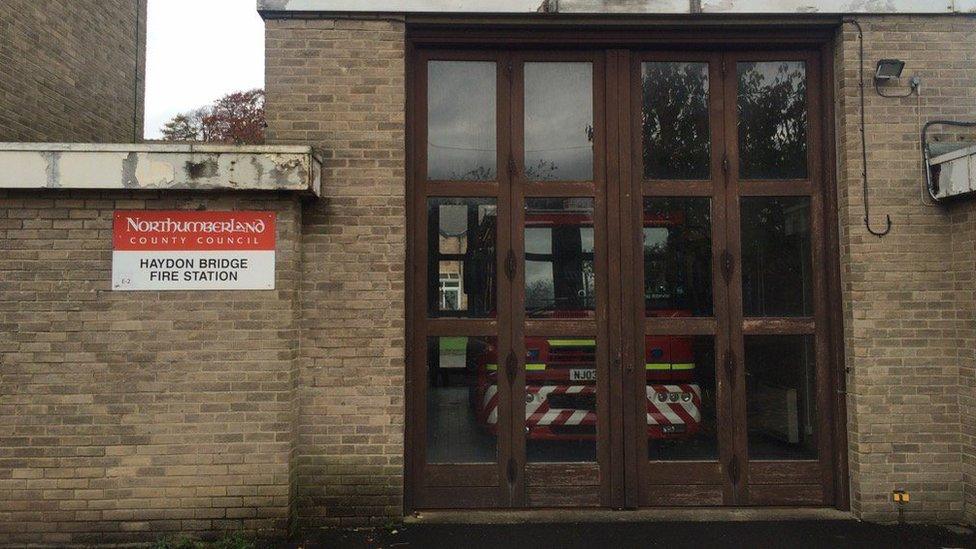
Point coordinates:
[(560, 377)]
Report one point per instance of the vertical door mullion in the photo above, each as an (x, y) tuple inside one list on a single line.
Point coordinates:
[(737, 466), (606, 313), (820, 275), (516, 169), (721, 180), (834, 328), (414, 434), (506, 239), (631, 253), (617, 113), (419, 263)]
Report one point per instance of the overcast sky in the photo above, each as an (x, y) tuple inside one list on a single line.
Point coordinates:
[(198, 51)]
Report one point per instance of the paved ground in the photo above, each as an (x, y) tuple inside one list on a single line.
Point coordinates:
[(624, 535)]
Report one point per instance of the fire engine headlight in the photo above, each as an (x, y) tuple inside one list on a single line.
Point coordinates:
[(685, 397), (675, 396), (662, 397)]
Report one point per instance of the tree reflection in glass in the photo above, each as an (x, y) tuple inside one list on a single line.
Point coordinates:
[(674, 120), (772, 110)]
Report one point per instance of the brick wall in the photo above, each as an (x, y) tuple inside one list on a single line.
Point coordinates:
[(908, 317), (127, 414), (339, 85), (908, 298), (964, 276), (67, 70)]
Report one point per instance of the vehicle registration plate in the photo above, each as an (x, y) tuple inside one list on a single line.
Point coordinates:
[(582, 375)]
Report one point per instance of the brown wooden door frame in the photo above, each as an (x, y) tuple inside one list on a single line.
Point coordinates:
[(626, 470), (454, 485), (675, 482), (733, 479), (769, 482), (561, 484)]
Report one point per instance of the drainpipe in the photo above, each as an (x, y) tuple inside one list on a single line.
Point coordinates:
[(135, 76)]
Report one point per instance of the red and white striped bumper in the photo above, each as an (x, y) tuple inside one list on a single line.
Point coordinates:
[(671, 412), (662, 416)]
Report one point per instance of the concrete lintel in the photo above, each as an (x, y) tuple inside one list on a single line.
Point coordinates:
[(270, 8), (157, 166)]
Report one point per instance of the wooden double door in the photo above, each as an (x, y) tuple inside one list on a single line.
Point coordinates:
[(619, 280)]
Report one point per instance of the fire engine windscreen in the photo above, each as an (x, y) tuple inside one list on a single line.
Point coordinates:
[(677, 257), (560, 279)]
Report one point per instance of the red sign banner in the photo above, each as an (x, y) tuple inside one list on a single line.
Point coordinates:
[(151, 230)]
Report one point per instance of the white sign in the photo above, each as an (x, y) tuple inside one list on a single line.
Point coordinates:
[(184, 250)]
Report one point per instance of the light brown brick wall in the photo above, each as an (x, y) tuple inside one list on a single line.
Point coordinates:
[(908, 298), (339, 85), (68, 70), (128, 414), (908, 323), (964, 276)]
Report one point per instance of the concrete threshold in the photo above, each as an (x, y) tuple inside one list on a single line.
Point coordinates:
[(683, 514)]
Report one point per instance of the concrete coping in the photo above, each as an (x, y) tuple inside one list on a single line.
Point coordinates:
[(721, 7), (955, 154), (160, 166)]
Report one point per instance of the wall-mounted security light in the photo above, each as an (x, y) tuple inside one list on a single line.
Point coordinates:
[(889, 69)]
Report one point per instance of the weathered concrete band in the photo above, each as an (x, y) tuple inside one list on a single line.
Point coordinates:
[(160, 166), (618, 6)]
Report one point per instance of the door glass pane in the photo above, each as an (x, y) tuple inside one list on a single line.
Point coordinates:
[(772, 104), (461, 257), (558, 121), (559, 275), (674, 120), (781, 399), (681, 418), (776, 264), (677, 257), (462, 399), (461, 120), (560, 399)]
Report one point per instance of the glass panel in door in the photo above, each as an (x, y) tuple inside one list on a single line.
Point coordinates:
[(674, 120), (772, 115), (560, 372), (558, 121), (781, 382), (461, 135), (462, 399)]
